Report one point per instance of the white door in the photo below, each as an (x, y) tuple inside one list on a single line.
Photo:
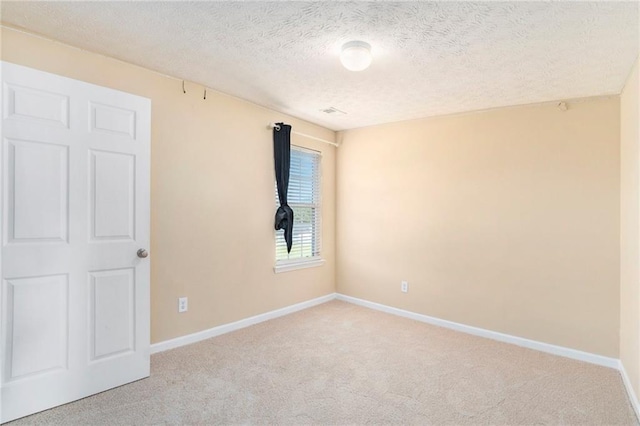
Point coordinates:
[(75, 212)]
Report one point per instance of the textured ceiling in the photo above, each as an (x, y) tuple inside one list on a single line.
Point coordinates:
[(430, 58)]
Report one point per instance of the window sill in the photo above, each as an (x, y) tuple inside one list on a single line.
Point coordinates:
[(295, 265)]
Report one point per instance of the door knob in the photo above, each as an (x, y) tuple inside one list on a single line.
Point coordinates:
[(142, 253)]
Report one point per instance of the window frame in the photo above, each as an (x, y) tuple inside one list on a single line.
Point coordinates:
[(285, 265)]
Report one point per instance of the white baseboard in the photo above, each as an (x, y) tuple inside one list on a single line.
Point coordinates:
[(627, 384), (227, 328), (494, 335)]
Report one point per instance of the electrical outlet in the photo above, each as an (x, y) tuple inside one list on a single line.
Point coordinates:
[(404, 286), (183, 304)]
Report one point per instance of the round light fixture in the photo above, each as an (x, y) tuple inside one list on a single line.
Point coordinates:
[(356, 55)]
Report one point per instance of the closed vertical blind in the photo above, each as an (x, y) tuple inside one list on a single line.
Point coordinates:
[(304, 199)]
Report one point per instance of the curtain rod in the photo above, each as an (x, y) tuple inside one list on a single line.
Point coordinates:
[(275, 126)]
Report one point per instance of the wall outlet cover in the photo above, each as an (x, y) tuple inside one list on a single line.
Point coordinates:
[(183, 304)]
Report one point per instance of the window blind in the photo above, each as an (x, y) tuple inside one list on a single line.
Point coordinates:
[(304, 199)]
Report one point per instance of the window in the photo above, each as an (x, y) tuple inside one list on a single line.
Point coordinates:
[(304, 199)]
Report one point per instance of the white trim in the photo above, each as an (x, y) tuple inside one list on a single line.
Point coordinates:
[(304, 135), (494, 335), (627, 384), (307, 150), (286, 266), (237, 325)]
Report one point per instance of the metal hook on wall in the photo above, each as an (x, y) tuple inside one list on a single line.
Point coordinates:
[(205, 94), (183, 91)]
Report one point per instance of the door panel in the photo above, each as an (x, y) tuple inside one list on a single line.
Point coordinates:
[(37, 312), (112, 313), (37, 191), (36, 106), (112, 195), (113, 120), (75, 210)]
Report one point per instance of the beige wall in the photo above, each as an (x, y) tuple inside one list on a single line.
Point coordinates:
[(506, 220), (212, 201), (630, 229)]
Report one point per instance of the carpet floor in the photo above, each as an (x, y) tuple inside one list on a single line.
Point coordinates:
[(338, 363)]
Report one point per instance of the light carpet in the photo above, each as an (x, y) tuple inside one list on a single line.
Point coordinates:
[(338, 363)]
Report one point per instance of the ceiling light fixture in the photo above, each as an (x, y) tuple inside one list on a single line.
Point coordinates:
[(356, 55)]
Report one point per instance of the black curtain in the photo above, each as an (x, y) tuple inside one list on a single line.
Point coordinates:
[(282, 160)]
